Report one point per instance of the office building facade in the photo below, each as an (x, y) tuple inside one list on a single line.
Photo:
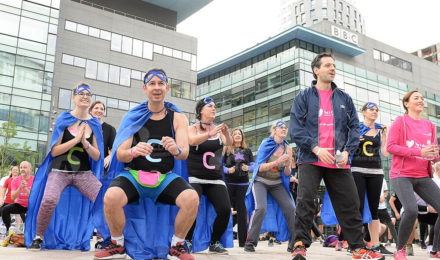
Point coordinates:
[(430, 53), (310, 12)]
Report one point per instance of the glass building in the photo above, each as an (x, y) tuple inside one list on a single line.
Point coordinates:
[(28, 35), (48, 46), (256, 87)]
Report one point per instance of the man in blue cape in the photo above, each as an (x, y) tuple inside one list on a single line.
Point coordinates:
[(274, 220), (152, 178), (72, 222)]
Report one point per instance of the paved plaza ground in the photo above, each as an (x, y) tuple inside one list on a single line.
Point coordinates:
[(263, 252)]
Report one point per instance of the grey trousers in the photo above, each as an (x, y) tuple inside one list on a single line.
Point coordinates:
[(281, 196), (429, 192)]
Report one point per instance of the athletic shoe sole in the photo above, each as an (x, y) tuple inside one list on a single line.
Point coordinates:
[(118, 256), (299, 257)]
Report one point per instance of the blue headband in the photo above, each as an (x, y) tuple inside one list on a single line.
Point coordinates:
[(370, 105), (158, 73), (82, 88), (280, 123), (208, 100)]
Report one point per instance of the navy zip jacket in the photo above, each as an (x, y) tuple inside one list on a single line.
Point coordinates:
[(304, 123)]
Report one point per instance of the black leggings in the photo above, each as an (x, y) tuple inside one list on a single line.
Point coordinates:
[(218, 195), (13, 208), (237, 194), (372, 184)]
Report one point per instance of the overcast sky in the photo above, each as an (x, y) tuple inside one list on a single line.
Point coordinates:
[(226, 27)]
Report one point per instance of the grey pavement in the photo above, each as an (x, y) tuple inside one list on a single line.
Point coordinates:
[(263, 252)]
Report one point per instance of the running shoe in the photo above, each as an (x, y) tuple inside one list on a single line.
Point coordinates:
[(423, 245), (112, 251), (434, 256), (276, 241), (218, 248), (299, 251), (36, 244), (400, 254), (381, 249), (364, 253), (345, 244), (190, 246), (249, 247), (178, 252), (270, 243)]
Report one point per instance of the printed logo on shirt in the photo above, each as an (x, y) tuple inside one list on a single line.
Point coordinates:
[(325, 113), (320, 112)]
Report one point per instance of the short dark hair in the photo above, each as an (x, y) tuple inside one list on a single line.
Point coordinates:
[(317, 61), (96, 103)]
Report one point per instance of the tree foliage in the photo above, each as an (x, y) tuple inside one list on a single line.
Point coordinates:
[(12, 153)]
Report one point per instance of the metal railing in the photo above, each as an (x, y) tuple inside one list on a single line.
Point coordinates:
[(142, 19)]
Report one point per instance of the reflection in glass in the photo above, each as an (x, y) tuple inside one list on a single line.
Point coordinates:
[(116, 42), (125, 77), (82, 29), (30, 79), (127, 45), (114, 74), (137, 48), (91, 69), (148, 51), (9, 23), (79, 62), (102, 71), (33, 30)]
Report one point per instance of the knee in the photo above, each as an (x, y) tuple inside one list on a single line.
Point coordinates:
[(112, 199), (411, 213), (260, 211), (49, 201), (189, 200)]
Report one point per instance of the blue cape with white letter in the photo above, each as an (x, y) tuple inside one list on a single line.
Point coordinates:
[(71, 226), (149, 228), (274, 220)]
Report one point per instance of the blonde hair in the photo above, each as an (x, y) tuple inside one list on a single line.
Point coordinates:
[(274, 126), (230, 149)]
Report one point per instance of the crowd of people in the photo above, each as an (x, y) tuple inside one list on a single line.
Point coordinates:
[(162, 188)]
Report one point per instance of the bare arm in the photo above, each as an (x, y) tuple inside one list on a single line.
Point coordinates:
[(196, 139), (288, 167), (383, 146), (92, 149)]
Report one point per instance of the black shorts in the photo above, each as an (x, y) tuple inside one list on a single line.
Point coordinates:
[(383, 216), (167, 196)]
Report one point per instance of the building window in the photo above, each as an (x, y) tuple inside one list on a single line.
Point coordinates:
[(315, 21), (313, 3), (341, 6), (324, 12), (324, 3), (303, 17), (340, 16), (355, 14), (348, 9), (355, 25), (297, 20), (296, 9), (312, 14), (348, 18), (301, 7)]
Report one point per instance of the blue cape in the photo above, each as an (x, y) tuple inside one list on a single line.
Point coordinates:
[(328, 215), (149, 228), (71, 226), (274, 221)]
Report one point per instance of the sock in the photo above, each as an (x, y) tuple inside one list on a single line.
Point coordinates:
[(176, 240), (119, 240), (38, 237)]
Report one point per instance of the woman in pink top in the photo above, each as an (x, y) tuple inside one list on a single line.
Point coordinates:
[(412, 142)]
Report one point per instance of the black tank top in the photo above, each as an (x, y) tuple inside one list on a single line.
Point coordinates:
[(152, 132), (205, 160), (367, 154), (74, 160)]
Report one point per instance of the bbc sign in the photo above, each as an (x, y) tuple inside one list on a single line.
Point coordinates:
[(345, 35)]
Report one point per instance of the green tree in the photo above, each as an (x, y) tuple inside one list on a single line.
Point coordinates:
[(13, 153)]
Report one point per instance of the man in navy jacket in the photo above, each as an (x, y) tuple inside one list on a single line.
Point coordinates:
[(325, 127)]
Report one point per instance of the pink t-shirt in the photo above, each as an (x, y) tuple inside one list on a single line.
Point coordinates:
[(326, 126), (22, 198), (419, 134), (7, 186)]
